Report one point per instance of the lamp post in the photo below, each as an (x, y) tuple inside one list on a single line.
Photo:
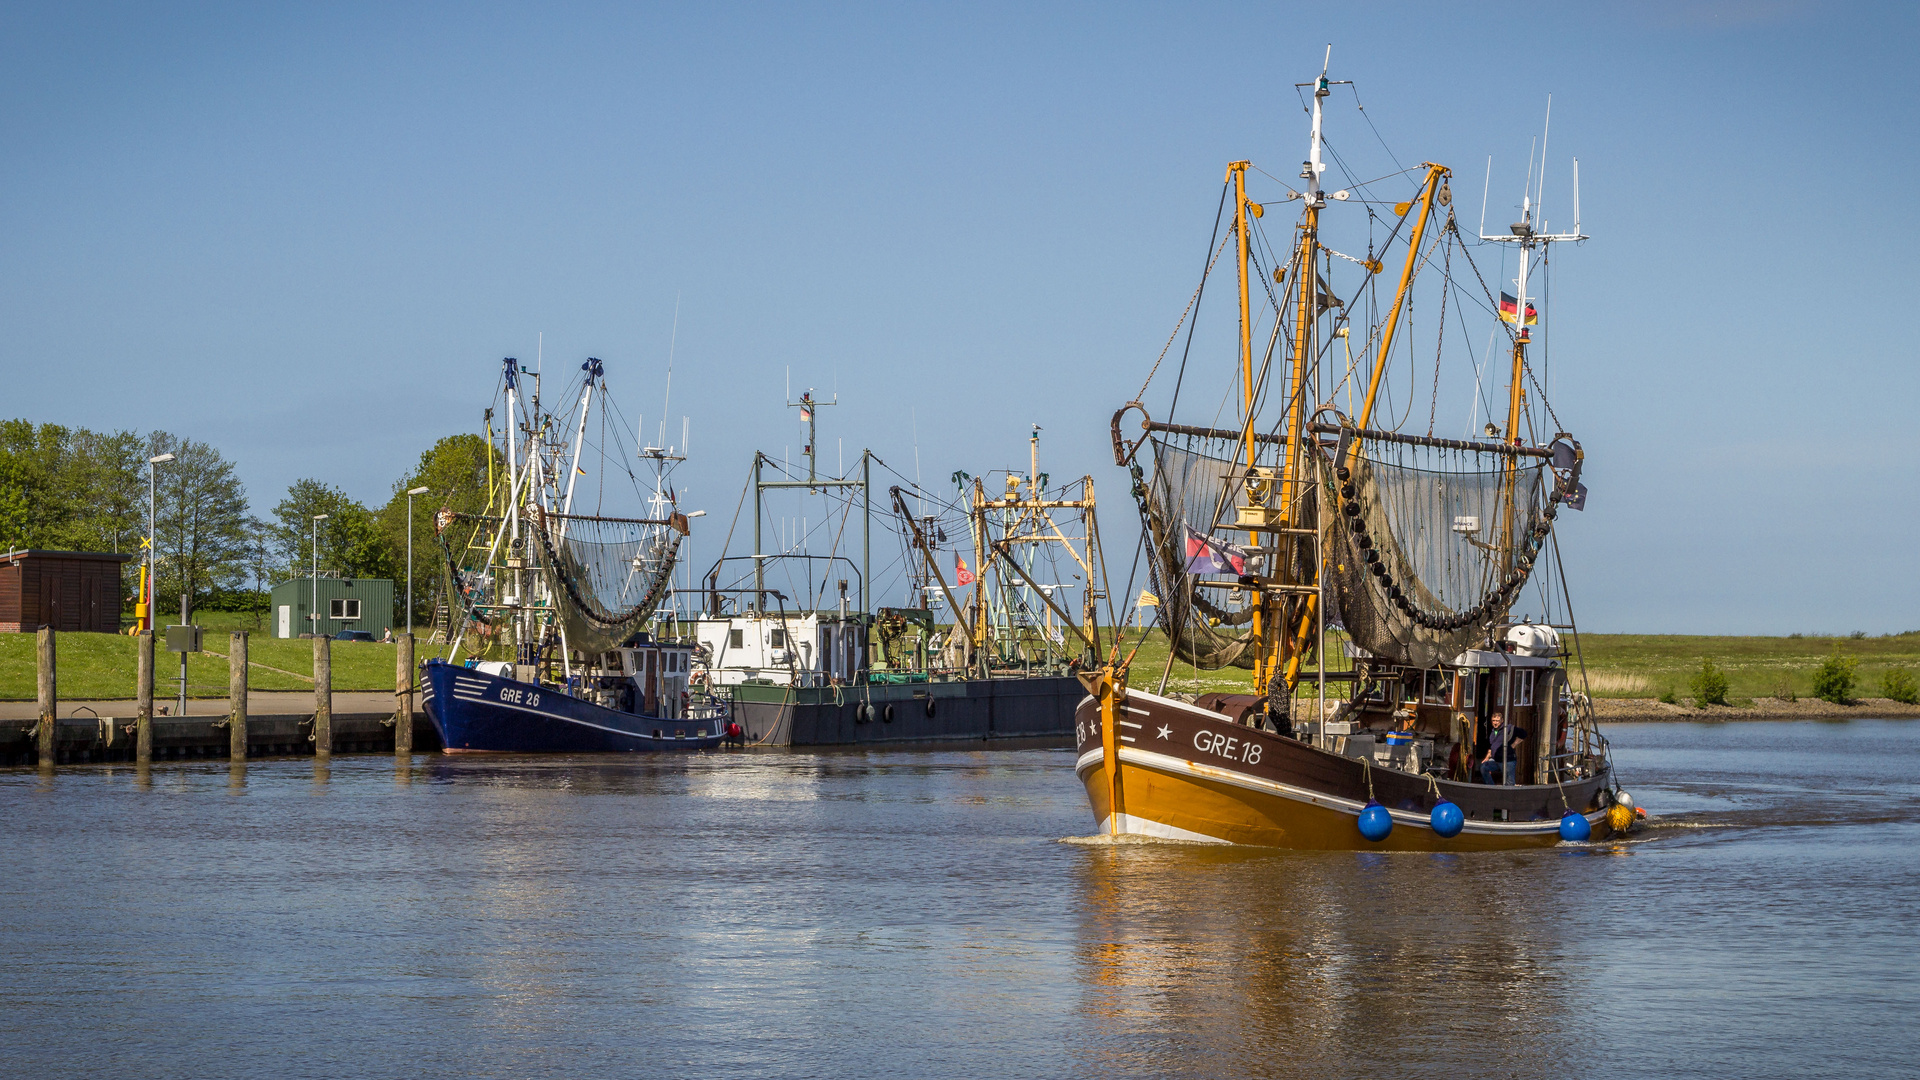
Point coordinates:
[(144, 609), (411, 492), (313, 614)]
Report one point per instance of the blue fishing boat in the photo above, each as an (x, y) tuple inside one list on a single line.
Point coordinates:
[(643, 707), (554, 643)]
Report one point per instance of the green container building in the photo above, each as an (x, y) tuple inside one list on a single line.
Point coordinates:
[(345, 604)]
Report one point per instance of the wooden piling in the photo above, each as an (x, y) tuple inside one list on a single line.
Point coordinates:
[(143, 703), (322, 696), (49, 699), (237, 696), (403, 676)]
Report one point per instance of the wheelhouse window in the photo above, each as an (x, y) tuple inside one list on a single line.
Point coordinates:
[(1523, 688), (777, 638), (736, 638), (1439, 688), (343, 609), (1466, 680)]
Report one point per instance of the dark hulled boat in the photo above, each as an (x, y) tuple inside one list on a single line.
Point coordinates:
[(1302, 527)]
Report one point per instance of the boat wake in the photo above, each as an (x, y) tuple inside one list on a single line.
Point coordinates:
[(1131, 840)]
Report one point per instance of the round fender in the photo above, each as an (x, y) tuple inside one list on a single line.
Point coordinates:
[(1447, 819), (929, 705), (1574, 828), (1375, 822), (887, 713)]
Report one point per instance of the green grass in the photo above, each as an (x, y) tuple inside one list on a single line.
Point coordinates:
[(104, 666), (1618, 665), (1630, 665)]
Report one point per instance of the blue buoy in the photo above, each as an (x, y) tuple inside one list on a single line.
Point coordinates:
[(1447, 819), (1574, 827), (1375, 822)]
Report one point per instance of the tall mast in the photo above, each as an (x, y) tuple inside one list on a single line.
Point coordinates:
[(594, 373), (1528, 238)]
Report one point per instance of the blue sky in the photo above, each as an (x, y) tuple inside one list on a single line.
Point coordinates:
[(307, 236)]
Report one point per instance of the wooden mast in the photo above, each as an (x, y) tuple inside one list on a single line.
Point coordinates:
[(1255, 492)]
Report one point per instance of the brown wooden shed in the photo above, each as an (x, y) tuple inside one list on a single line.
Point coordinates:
[(67, 590)]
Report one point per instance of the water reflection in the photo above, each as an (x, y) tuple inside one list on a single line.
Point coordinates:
[(1205, 960)]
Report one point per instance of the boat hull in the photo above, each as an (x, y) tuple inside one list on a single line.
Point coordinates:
[(1186, 773), (1035, 711), (475, 712)]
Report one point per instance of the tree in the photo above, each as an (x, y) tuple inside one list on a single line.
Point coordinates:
[(202, 524), (350, 541), (33, 511), (456, 472), (106, 478)]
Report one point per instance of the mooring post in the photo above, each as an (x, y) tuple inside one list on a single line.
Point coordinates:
[(49, 699), (237, 696), (403, 697), (143, 702), (322, 696)]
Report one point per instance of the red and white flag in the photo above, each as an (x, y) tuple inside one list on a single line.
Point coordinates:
[(962, 577)]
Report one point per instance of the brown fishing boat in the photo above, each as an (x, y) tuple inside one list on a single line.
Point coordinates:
[(1304, 519)]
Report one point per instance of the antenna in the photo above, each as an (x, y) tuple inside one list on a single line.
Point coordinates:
[(913, 415), (672, 341), (1485, 186), (1540, 198), (1576, 196), (1527, 190)]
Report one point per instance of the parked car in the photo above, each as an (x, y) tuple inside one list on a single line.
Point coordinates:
[(353, 635)]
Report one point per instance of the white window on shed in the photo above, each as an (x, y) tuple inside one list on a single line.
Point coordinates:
[(343, 609)]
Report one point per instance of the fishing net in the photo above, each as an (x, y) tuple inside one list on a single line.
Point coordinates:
[(1197, 481), (1428, 546), (607, 575)]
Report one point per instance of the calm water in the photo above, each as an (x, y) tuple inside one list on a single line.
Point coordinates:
[(913, 914)]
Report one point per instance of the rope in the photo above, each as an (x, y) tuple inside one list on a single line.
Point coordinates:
[(1195, 299)]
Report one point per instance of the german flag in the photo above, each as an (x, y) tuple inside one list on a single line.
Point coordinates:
[(1510, 306)]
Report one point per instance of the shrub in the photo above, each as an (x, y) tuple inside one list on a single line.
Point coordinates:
[(1898, 684), (1668, 697), (1784, 689), (1833, 679), (1858, 635), (1709, 685)]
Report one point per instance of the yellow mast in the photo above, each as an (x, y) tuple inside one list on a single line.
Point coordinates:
[(1255, 493), (1435, 174)]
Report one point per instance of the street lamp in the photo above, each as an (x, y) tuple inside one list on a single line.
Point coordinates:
[(411, 492), (144, 610), (313, 615)]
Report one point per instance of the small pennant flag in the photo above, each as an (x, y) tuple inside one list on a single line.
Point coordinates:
[(1147, 599), (1205, 555), (962, 577), (1509, 308)]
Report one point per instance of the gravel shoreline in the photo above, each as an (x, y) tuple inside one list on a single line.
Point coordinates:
[(1633, 710)]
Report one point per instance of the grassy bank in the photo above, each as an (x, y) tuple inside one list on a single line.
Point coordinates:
[(104, 666), (1636, 665), (1618, 665)]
